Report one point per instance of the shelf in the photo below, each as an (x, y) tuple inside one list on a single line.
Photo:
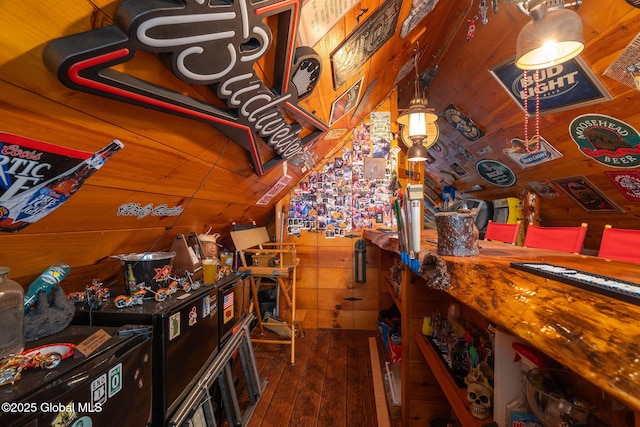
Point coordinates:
[(456, 396), (393, 293)]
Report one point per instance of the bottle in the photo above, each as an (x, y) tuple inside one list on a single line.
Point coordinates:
[(132, 283), (52, 275), (36, 203), (11, 315)]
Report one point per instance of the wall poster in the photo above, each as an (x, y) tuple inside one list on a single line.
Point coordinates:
[(627, 182), (317, 17), (585, 194), (37, 177), (562, 87)]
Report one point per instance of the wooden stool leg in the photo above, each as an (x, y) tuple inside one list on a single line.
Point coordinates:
[(256, 303)]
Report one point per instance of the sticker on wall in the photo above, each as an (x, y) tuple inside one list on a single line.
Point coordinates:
[(345, 102), (139, 211), (464, 152), (335, 134), (419, 9), (464, 124), (363, 100), (628, 183), (545, 189), (459, 170), (585, 194), (275, 189), (525, 158), (174, 326), (626, 67), (206, 306), (36, 177), (496, 173), (440, 149), (606, 140)]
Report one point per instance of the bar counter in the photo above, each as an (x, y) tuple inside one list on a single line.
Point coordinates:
[(594, 335)]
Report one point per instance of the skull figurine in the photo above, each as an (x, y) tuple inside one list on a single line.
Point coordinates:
[(480, 399), (479, 391)]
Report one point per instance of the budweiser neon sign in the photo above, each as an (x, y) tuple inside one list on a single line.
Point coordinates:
[(214, 44)]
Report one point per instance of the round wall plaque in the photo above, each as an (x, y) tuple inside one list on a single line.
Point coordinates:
[(496, 173)]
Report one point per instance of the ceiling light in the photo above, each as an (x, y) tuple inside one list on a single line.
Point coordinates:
[(417, 152), (416, 119), (553, 36)]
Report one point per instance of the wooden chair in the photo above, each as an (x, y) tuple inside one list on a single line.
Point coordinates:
[(276, 262), (621, 244), (507, 233), (564, 239)]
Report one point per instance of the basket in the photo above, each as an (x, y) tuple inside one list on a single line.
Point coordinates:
[(559, 398)]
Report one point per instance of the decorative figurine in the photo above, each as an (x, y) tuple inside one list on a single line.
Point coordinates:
[(46, 356), (480, 390)]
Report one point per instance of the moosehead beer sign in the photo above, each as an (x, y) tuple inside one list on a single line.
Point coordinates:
[(214, 44), (606, 140)]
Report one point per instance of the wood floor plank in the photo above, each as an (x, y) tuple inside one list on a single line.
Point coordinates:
[(307, 407), (333, 406), (362, 410), (329, 386)]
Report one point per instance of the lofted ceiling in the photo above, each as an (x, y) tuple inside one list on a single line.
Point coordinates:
[(171, 161), (454, 65)]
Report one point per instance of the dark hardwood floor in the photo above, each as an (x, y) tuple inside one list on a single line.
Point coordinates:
[(330, 385)]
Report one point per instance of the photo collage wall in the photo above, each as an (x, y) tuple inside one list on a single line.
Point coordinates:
[(353, 191)]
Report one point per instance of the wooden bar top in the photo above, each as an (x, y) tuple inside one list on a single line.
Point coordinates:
[(594, 335)]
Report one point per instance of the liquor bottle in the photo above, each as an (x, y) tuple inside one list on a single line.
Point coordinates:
[(52, 275), (11, 315), (40, 201), (132, 283)]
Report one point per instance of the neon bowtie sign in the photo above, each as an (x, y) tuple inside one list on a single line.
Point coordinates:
[(209, 44)]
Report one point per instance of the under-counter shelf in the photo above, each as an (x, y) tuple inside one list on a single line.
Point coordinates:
[(393, 293), (456, 396)]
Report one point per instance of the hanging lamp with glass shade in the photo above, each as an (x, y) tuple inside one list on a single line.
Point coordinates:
[(416, 121), (553, 36)]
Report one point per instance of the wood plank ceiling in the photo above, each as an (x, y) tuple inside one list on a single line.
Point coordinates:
[(174, 161)]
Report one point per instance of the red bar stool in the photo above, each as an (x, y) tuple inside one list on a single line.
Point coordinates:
[(507, 233), (564, 239), (620, 244)]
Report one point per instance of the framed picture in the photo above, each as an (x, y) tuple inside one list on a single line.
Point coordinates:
[(562, 87), (585, 194), (345, 102), (364, 42)]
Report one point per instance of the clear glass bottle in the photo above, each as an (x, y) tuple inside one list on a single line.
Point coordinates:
[(11, 315)]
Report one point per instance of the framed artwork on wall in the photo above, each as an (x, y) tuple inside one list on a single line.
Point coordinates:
[(345, 102), (562, 87), (585, 194), (364, 42)]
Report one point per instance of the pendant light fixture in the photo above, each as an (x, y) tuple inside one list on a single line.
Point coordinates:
[(416, 119), (553, 36)]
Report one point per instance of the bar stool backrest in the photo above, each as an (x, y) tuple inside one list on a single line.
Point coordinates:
[(564, 239), (507, 233), (621, 244)]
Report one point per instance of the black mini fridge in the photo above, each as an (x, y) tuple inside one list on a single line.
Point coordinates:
[(113, 377), (185, 340)]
